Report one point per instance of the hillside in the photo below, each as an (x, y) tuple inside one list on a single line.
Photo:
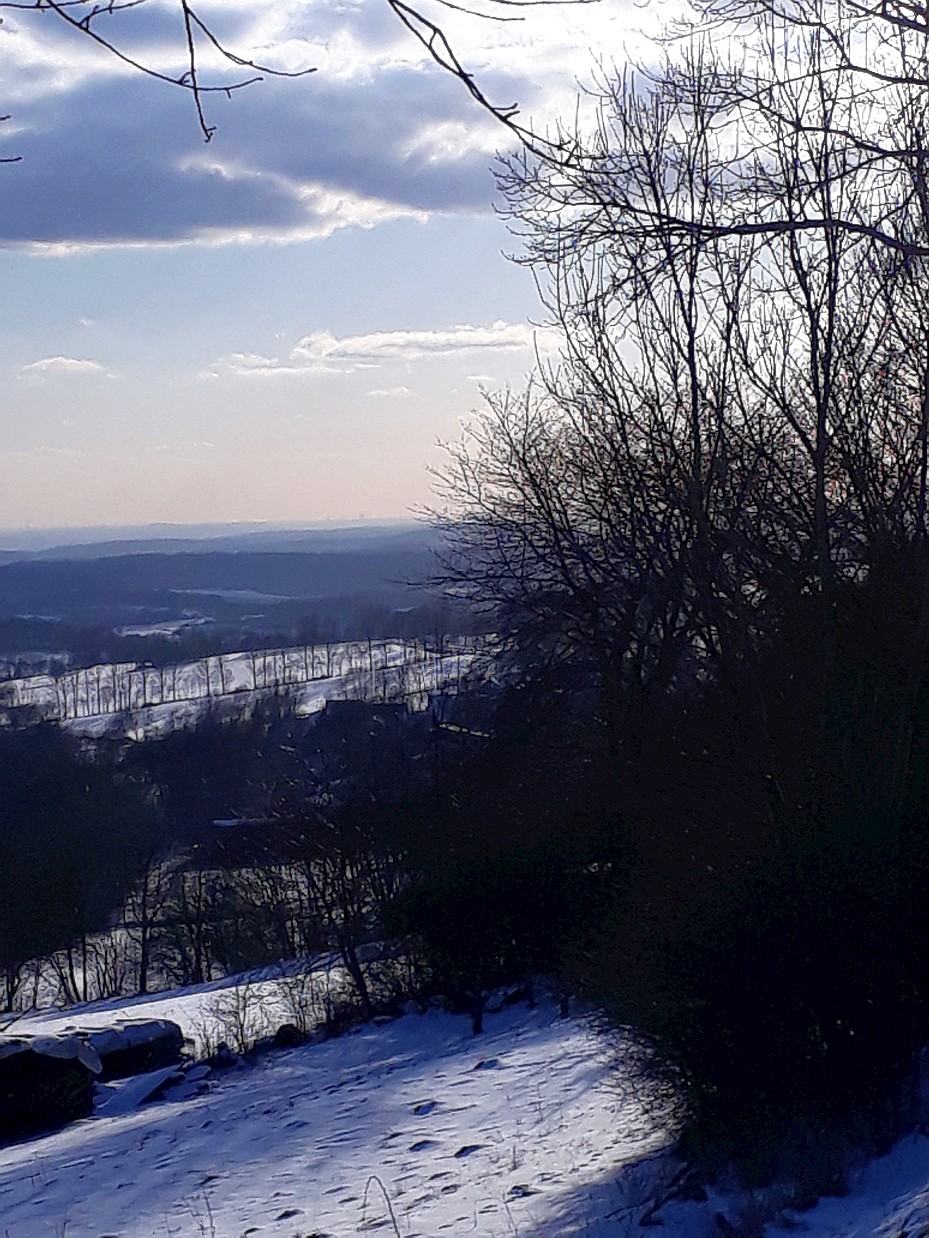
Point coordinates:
[(417, 1128), (522, 1130), (138, 597)]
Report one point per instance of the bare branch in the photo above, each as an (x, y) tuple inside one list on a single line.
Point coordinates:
[(84, 16)]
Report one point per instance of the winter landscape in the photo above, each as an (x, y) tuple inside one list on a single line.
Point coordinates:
[(464, 618), (416, 1125)]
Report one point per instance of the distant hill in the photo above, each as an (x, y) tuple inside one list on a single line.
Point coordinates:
[(17, 546), (122, 597)]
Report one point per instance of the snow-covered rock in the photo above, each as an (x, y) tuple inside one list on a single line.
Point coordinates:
[(45, 1082)]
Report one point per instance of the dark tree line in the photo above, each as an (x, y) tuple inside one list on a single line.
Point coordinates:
[(72, 835)]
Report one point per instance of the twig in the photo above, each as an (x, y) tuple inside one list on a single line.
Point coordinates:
[(390, 1207)]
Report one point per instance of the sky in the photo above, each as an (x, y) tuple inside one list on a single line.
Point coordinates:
[(281, 324)]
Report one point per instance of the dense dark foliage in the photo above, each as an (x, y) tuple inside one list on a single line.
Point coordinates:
[(502, 851)]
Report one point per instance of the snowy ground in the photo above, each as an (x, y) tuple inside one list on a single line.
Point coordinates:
[(256, 1003), (519, 1131), (890, 1200), (412, 1128)]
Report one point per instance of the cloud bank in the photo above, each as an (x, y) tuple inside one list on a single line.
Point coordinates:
[(112, 158), (321, 352)]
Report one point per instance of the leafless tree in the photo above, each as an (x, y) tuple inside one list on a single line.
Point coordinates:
[(737, 418), (717, 494)]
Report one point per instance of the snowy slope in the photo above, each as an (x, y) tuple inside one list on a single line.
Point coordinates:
[(890, 1200), (151, 700), (519, 1131), (416, 1128), (200, 1010)]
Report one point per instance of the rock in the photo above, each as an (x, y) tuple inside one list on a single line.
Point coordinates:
[(410, 1007), (134, 1046), (68, 1046), (223, 1058), (495, 1002), (41, 1090)]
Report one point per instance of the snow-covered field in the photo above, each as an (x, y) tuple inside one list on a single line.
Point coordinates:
[(148, 700), (257, 1002), (522, 1130), (416, 1128)]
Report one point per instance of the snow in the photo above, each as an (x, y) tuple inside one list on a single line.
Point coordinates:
[(148, 700), (122, 1034), (128, 1094), (522, 1130), (167, 627), (538, 1128), (889, 1200), (259, 999), (235, 595)]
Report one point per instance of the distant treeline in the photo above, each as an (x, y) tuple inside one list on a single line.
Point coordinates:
[(37, 645)]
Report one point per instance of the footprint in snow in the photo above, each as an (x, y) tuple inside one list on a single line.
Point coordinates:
[(467, 1150), (488, 1063), (424, 1107), (422, 1145)]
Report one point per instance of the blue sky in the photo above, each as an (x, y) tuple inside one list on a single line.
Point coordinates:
[(281, 324)]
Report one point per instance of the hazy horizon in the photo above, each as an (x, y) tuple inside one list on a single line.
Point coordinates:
[(38, 537)]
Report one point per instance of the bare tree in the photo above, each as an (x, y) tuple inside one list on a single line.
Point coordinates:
[(714, 505)]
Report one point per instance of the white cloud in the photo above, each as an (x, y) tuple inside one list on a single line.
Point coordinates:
[(253, 365), (49, 367), (321, 352), (188, 448), (352, 351), (114, 160)]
